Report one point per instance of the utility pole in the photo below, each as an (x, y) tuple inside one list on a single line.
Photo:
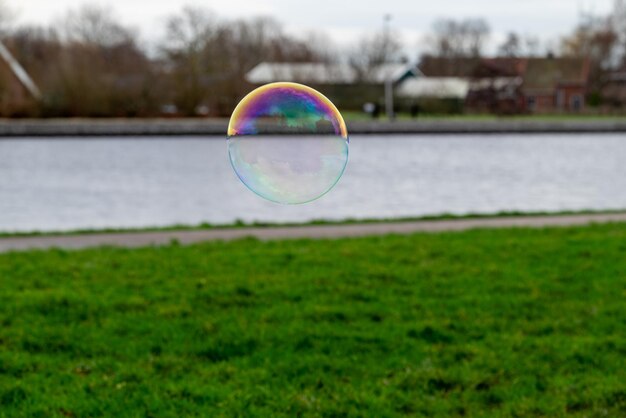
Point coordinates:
[(388, 80), (619, 14)]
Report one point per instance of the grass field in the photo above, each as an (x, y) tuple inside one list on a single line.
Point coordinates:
[(503, 323)]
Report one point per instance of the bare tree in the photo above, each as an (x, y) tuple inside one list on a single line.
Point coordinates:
[(458, 39), (321, 46), (189, 30), (597, 40), (532, 45), (94, 25), (372, 51), (617, 20), (477, 32), (208, 58), (511, 47), (242, 44), (248, 42), (101, 70), (187, 48)]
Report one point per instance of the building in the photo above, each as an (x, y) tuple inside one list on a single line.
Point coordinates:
[(496, 95), (431, 66), (517, 85), (434, 87), (555, 84), (340, 82), (433, 94)]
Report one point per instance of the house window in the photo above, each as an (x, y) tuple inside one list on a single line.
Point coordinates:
[(576, 102), (531, 102)]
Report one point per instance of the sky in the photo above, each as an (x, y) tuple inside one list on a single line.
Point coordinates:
[(343, 20)]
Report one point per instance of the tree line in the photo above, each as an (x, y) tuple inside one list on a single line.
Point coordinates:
[(89, 64)]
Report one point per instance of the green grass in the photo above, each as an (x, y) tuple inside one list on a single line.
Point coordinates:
[(348, 221), (502, 323)]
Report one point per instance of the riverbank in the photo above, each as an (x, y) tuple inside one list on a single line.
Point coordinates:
[(218, 127), (134, 239), (524, 322)]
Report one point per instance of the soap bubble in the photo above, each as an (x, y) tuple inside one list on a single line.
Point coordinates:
[(288, 143)]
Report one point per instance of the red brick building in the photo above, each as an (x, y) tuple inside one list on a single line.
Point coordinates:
[(555, 84), (518, 85)]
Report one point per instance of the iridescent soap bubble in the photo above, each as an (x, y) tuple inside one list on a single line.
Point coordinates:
[(288, 143)]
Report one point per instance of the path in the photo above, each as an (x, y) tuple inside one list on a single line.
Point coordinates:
[(141, 239)]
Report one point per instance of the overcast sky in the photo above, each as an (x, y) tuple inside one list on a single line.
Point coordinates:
[(344, 20)]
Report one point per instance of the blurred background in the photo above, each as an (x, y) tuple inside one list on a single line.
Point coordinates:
[(547, 79), (126, 59)]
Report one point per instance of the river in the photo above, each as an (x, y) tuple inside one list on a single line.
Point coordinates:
[(67, 184)]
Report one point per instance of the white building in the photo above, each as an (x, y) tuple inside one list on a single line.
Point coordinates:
[(434, 88), (321, 73)]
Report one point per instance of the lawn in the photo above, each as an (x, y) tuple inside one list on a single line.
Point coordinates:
[(498, 323)]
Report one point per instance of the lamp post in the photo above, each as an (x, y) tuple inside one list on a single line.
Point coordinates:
[(388, 75)]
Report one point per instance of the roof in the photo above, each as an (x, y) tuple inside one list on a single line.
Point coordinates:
[(538, 72), (317, 73), (393, 71), (321, 73), (501, 67), (19, 72), (547, 73), (472, 67), (496, 83), (435, 87), (448, 67)]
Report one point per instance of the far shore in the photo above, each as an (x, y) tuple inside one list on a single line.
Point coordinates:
[(11, 128)]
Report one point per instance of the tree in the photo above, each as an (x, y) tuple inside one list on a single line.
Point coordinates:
[(207, 58), (92, 24), (511, 47), (617, 20), (242, 44), (321, 47), (101, 70), (597, 40), (532, 45), (458, 39), (372, 51), (187, 50), (516, 45)]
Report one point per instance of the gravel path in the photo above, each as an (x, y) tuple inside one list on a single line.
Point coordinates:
[(141, 239)]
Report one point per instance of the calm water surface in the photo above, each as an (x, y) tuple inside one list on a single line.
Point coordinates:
[(63, 184)]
